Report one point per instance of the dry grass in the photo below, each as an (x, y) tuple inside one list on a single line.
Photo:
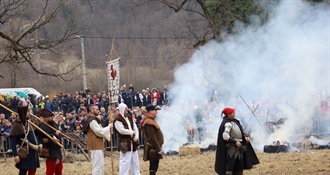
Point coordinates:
[(295, 163)]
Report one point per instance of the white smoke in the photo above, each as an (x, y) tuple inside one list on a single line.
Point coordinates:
[(277, 68), (317, 141)]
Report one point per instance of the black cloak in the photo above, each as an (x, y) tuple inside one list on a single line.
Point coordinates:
[(249, 156)]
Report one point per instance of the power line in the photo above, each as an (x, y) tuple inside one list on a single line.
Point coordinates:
[(140, 38)]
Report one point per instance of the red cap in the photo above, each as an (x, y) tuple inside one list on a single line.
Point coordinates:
[(228, 110)]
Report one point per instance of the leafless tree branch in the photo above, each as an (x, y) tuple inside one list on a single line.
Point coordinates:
[(14, 38)]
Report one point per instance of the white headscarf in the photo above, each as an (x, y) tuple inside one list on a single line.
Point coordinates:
[(122, 107)]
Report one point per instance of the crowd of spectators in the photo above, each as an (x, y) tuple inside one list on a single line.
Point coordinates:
[(70, 110)]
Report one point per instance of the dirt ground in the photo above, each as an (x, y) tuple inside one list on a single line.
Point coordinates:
[(316, 162)]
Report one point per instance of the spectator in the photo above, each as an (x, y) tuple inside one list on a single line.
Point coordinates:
[(105, 120), (122, 95), (164, 96), (33, 101), (105, 102), (14, 103), (69, 124), (64, 104), (138, 98), (6, 102), (96, 101), (89, 101), (42, 105), (20, 102), (87, 91), (61, 124), (7, 127), (77, 102), (129, 100), (48, 105), (56, 104), (71, 103), (155, 97), (2, 119), (12, 117), (147, 98)]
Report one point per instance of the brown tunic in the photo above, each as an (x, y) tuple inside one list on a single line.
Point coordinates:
[(94, 142), (153, 137)]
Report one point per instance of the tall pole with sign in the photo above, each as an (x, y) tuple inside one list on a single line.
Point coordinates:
[(113, 76)]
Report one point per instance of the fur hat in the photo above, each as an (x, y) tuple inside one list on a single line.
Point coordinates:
[(46, 113)]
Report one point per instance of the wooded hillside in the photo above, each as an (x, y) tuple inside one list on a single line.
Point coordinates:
[(151, 39), (146, 38)]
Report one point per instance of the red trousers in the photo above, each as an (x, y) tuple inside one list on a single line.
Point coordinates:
[(32, 171), (53, 168)]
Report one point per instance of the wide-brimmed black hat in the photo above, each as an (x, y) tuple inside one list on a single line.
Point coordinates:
[(152, 107)]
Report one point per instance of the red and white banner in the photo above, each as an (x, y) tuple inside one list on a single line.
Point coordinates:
[(113, 79)]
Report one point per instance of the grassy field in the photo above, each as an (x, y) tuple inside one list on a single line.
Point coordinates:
[(316, 162)]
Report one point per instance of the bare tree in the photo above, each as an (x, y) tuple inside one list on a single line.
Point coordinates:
[(209, 18), (21, 20)]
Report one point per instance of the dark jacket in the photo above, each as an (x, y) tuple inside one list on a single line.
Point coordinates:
[(54, 149)]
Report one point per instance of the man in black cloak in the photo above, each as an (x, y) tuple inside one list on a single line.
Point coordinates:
[(21, 129), (234, 150)]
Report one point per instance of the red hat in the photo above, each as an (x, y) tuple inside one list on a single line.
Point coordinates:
[(228, 110), (46, 113)]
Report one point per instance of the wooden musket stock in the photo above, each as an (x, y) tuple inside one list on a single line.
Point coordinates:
[(37, 127), (51, 127)]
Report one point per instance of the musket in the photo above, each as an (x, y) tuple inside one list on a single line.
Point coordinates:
[(51, 127), (37, 127), (252, 113)]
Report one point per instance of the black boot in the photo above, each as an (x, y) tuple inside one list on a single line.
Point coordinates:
[(239, 173), (152, 173)]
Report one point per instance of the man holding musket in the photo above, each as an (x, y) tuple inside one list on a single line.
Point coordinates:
[(54, 163), (22, 135)]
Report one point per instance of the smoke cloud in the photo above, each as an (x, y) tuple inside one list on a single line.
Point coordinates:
[(279, 70)]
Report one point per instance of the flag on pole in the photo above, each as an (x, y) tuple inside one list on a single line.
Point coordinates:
[(113, 79)]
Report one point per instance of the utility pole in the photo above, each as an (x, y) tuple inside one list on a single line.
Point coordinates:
[(82, 42), (36, 53)]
